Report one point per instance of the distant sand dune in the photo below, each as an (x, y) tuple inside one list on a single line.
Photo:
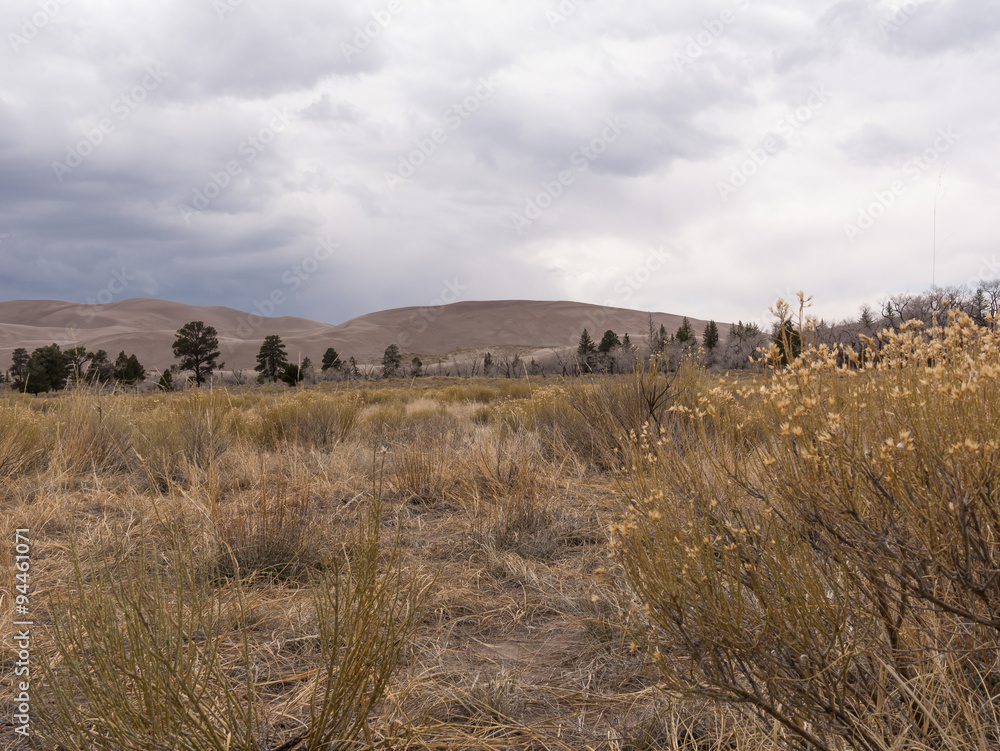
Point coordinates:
[(148, 327)]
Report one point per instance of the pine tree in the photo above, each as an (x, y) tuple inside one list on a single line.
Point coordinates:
[(292, 374), (789, 342), (586, 352), (391, 360), (45, 370), (331, 360), (99, 369), (608, 342), (626, 342), (685, 333), (417, 365), (710, 338), (166, 382), (197, 348), (76, 363), (19, 366), (271, 359), (127, 370)]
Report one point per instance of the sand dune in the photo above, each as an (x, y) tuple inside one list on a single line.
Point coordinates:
[(148, 327)]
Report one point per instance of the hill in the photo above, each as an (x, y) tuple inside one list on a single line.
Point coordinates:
[(147, 327)]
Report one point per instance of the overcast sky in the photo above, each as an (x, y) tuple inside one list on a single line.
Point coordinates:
[(700, 158)]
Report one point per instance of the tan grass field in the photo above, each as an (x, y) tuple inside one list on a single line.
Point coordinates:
[(801, 558)]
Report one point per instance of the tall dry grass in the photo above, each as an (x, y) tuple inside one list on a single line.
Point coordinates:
[(152, 652)]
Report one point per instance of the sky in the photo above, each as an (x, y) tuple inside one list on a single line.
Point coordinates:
[(328, 159)]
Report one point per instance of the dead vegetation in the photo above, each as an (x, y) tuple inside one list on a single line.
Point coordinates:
[(620, 562)]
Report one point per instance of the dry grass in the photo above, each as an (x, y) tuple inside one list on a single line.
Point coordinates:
[(248, 568)]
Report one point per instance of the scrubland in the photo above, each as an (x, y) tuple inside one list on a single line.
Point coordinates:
[(798, 557)]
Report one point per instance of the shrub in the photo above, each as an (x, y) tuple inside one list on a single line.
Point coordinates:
[(148, 658), (840, 579)]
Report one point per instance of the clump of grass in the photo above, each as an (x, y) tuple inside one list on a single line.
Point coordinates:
[(269, 534), (423, 469), (307, 419), (503, 463), (148, 656), (21, 441)]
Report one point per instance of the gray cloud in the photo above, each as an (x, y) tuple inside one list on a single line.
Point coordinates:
[(206, 153)]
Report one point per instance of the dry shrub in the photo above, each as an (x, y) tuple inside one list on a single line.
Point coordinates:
[(840, 579), (147, 658)]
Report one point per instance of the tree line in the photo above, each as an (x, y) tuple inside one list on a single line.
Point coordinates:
[(196, 349)]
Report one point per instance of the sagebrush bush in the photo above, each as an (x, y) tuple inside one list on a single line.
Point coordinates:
[(838, 576)]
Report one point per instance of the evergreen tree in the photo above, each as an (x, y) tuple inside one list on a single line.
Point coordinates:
[(685, 333), (608, 342), (789, 342), (626, 342), (99, 369), (391, 360), (127, 370), (710, 338), (586, 352), (417, 366), (662, 337), (331, 360), (45, 371), (487, 363), (352, 366), (166, 382), (76, 363), (197, 348), (292, 374), (271, 359), (19, 366)]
